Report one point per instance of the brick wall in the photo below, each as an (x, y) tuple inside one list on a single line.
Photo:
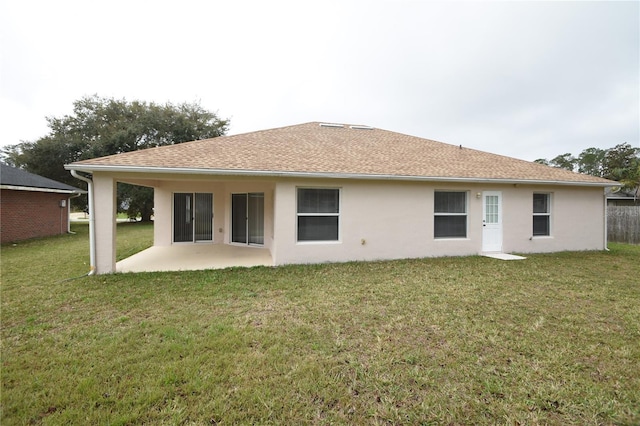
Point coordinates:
[(28, 214)]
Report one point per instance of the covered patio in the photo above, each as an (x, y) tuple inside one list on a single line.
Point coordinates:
[(190, 257)]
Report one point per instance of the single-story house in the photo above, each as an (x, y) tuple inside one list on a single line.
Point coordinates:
[(32, 206), (324, 192)]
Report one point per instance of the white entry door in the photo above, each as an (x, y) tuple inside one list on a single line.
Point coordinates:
[(492, 221)]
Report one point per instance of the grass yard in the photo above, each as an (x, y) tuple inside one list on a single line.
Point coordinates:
[(554, 339)]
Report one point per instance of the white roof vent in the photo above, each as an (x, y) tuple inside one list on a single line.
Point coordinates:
[(361, 127), (332, 125)]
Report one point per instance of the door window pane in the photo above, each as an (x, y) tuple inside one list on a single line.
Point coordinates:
[(203, 216), (192, 217), (491, 209), (182, 220), (256, 218), (247, 218), (239, 218)]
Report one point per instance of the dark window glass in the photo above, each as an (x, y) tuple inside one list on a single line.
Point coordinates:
[(450, 219), (318, 214), (239, 218), (541, 203), (450, 202), (182, 217), (318, 200), (450, 226), (317, 228), (541, 225)]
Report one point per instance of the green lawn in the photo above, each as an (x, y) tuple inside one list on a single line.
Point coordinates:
[(554, 339)]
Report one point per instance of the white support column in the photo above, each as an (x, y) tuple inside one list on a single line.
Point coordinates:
[(162, 214), (104, 188)]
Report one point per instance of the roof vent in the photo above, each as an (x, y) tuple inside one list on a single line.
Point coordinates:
[(332, 125), (361, 127)]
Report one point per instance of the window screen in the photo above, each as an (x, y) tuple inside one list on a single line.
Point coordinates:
[(318, 214), (450, 215), (541, 214)]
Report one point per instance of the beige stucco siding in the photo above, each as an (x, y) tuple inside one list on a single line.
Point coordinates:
[(577, 219), (104, 186), (392, 220), (222, 191), (379, 219)]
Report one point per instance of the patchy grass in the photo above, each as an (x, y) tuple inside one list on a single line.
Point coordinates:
[(550, 340)]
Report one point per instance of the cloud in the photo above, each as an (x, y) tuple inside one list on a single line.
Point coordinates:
[(525, 79)]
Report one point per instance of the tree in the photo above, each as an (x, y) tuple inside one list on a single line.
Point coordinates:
[(542, 161), (591, 161), (104, 126), (621, 162), (564, 161)]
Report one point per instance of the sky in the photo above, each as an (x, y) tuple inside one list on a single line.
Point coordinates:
[(524, 79)]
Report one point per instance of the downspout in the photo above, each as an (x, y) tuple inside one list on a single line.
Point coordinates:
[(92, 225), (606, 223), (69, 213)]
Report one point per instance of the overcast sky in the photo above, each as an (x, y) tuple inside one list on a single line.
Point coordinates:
[(524, 79)]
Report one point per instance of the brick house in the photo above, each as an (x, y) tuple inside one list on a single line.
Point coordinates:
[(32, 206)]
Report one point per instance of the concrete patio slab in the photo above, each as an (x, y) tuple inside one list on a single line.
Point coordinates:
[(503, 256), (191, 257)]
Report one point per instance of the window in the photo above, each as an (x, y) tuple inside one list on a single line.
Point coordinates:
[(318, 214), (450, 215), (541, 215)]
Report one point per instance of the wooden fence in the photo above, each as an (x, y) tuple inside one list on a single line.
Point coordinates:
[(623, 224)]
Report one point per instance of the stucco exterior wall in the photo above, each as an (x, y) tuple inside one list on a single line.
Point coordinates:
[(222, 191), (577, 219), (32, 214), (379, 219), (392, 220), (104, 186)]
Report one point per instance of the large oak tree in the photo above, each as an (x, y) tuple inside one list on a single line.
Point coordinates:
[(104, 126)]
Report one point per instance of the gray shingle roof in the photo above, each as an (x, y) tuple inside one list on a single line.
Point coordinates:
[(12, 176), (337, 150)]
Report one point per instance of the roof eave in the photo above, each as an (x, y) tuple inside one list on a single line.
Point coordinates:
[(88, 168), (39, 189)]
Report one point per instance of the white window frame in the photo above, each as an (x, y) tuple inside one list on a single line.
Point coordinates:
[(547, 214), (298, 215), (465, 214)]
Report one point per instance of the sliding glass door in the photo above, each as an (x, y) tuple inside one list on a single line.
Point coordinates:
[(192, 217), (247, 218), (239, 218)]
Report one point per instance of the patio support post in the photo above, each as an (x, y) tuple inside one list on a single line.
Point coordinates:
[(105, 223)]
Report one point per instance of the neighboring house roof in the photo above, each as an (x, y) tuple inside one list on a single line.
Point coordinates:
[(334, 150), (619, 194), (17, 179)]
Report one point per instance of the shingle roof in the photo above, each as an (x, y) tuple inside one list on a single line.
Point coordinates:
[(14, 177), (317, 149)]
